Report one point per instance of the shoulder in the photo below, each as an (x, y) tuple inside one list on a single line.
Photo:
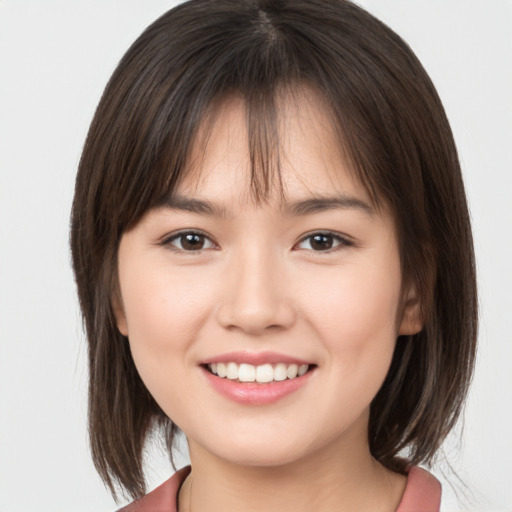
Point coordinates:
[(161, 499), (422, 493)]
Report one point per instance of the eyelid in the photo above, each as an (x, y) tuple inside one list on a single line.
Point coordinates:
[(167, 239), (345, 241)]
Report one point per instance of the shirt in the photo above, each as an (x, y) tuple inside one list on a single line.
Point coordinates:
[(422, 494)]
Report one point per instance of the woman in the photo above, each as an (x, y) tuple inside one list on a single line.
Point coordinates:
[(273, 253)]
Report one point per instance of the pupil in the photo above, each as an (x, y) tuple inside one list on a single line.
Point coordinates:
[(192, 242), (321, 242)]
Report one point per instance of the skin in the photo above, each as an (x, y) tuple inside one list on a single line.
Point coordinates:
[(259, 284)]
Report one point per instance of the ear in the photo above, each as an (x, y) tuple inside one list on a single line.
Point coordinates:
[(411, 321), (119, 314)]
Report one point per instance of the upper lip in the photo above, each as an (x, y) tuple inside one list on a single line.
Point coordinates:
[(255, 358)]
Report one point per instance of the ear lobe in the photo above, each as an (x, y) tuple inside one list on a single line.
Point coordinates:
[(411, 321), (119, 314)]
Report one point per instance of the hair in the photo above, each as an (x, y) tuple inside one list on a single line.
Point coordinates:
[(393, 129)]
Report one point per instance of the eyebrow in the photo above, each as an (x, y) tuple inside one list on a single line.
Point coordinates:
[(189, 204), (322, 204), (297, 208)]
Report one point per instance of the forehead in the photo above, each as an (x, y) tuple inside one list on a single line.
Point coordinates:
[(244, 157)]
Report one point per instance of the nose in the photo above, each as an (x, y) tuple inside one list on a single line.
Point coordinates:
[(256, 298)]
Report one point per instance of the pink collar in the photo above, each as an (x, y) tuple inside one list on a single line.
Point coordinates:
[(423, 492)]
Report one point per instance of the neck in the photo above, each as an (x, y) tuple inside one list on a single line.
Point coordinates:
[(334, 479)]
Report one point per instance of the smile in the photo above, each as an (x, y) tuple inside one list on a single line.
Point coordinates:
[(262, 373), (257, 379)]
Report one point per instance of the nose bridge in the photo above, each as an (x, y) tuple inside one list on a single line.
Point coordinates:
[(256, 297)]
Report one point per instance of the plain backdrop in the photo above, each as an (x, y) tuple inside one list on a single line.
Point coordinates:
[(55, 59)]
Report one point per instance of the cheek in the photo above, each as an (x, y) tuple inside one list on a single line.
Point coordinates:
[(164, 312), (160, 305), (357, 303), (354, 313)]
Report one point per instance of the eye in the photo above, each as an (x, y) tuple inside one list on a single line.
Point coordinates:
[(323, 242), (189, 241)]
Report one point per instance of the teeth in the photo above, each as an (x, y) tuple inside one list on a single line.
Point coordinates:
[(291, 371), (232, 371), (302, 369), (280, 372), (221, 369), (246, 373), (263, 373)]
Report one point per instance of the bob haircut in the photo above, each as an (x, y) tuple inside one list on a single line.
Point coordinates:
[(394, 133)]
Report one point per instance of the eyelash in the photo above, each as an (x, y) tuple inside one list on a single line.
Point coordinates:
[(343, 241), (167, 242)]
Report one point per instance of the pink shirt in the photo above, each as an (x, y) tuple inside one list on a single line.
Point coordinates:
[(422, 494)]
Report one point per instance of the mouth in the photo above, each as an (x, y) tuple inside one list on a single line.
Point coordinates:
[(261, 374), (271, 378)]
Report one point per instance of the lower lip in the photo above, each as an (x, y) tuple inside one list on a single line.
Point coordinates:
[(252, 393)]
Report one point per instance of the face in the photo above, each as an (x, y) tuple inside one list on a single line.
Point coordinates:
[(307, 282)]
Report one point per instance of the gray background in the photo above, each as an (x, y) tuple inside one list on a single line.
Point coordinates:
[(55, 58)]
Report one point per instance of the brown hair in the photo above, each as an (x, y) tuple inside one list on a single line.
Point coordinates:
[(392, 126)]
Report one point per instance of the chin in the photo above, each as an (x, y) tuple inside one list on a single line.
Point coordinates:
[(257, 452), (262, 458)]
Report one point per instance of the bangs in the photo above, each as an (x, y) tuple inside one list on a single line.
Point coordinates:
[(265, 125), (263, 142)]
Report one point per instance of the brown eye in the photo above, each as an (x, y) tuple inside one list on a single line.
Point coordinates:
[(190, 241), (323, 242)]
